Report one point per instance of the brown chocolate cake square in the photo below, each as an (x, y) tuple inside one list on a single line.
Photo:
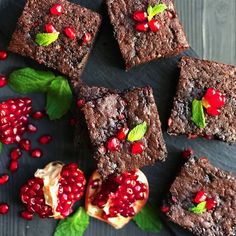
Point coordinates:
[(199, 178), (196, 77), (68, 54), (140, 47)]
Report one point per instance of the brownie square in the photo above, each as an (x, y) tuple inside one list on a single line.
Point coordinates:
[(200, 175), (196, 76), (66, 55), (141, 47), (106, 115)]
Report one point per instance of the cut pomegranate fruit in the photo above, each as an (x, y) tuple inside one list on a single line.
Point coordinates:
[(15, 154), (122, 133), (3, 81), (32, 128), (57, 9), (200, 197), (14, 115), (113, 144), (142, 27), (70, 32), (50, 28), (54, 190), (25, 145), (87, 38), (14, 166), (154, 25), (140, 16), (36, 153), (4, 208), (45, 139), (3, 55), (117, 199), (4, 179), (37, 115), (26, 215)]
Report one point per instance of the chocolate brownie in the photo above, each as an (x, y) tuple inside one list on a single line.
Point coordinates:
[(203, 183), (68, 54), (110, 120), (141, 47), (196, 78)]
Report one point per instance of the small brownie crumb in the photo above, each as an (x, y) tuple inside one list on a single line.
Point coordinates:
[(196, 77), (140, 47), (67, 54), (199, 181)]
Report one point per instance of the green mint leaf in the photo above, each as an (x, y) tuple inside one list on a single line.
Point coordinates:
[(45, 39), (74, 225), (137, 132), (199, 209), (157, 9), (148, 219), (198, 116), (1, 147), (59, 98), (28, 80)]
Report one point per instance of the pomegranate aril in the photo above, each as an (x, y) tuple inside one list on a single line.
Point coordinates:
[(70, 32), (165, 209), (137, 148), (25, 144), (15, 154), (26, 215), (140, 16), (87, 38), (3, 81), (154, 25), (37, 115), (213, 111), (187, 153), (122, 133), (50, 28), (32, 128), (4, 208), (80, 103), (45, 139), (200, 197), (57, 9), (211, 204), (13, 166), (4, 179), (113, 144), (36, 153), (3, 55), (142, 27)]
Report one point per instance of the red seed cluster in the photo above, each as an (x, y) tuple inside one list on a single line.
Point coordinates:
[(201, 196)]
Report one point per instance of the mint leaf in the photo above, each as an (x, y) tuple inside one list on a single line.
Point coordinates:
[(198, 116), (45, 39), (157, 9), (74, 225), (199, 209), (28, 80), (137, 132), (148, 219), (59, 98), (1, 147)]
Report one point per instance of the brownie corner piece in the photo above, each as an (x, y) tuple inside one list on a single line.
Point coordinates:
[(141, 39), (205, 81), (110, 119), (77, 27), (199, 182)]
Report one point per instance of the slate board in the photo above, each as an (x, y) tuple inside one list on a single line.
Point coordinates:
[(105, 68)]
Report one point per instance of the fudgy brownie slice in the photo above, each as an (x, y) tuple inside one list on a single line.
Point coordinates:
[(77, 28), (125, 130), (204, 199), (144, 37), (205, 103)]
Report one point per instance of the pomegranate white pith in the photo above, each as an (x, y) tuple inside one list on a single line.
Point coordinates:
[(116, 200)]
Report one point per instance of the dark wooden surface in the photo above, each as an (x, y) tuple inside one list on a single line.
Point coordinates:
[(105, 69)]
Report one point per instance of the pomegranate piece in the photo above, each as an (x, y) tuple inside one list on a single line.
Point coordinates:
[(36, 153), (4, 179), (87, 38), (32, 128), (3, 55), (211, 203), (50, 28), (45, 139), (187, 153), (57, 9), (140, 16), (80, 103), (37, 115), (113, 144), (3, 81), (15, 154), (54, 190), (4, 208), (14, 115), (117, 199), (137, 148), (25, 144), (154, 25), (122, 133), (142, 27), (26, 215), (200, 197), (70, 32), (14, 166)]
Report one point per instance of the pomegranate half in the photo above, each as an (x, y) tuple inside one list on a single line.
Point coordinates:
[(117, 199), (54, 190)]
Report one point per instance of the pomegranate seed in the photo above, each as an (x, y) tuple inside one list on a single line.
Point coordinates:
[(140, 16), (4, 179), (50, 28), (38, 115), (3, 81), (4, 208), (36, 153), (15, 154), (45, 139), (3, 55), (26, 215), (122, 133), (200, 197), (113, 144), (142, 27), (192, 136), (57, 9), (95, 183), (32, 128), (25, 144), (165, 209), (102, 150), (154, 25), (213, 111), (137, 148), (70, 32), (87, 38), (80, 103), (211, 204), (14, 165), (187, 153)]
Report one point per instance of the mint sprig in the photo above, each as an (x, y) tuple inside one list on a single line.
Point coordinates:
[(45, 39), (198, 116), (157, 9), (74, 225), (199, 209), (148, 219), (137, 132)]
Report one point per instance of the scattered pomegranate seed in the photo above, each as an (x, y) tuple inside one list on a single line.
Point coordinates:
[(3, 81), (14, 165), (32, 128), (15, 154), (80, 103), (209, 136), (140, 16), (200, 197), (142, 27), (137, 148), (187, 153), (26, 215), (4, 179), (50, 28), (70, 32), (57, 9), (213, 111), (192, 136), (4, 208), (87, 38), (122, 133), (3, 55), (211, 204), (113, 144), (37, 115), (45, 139), (36, 153), (165, 209), (154, 25), (25, 144)]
